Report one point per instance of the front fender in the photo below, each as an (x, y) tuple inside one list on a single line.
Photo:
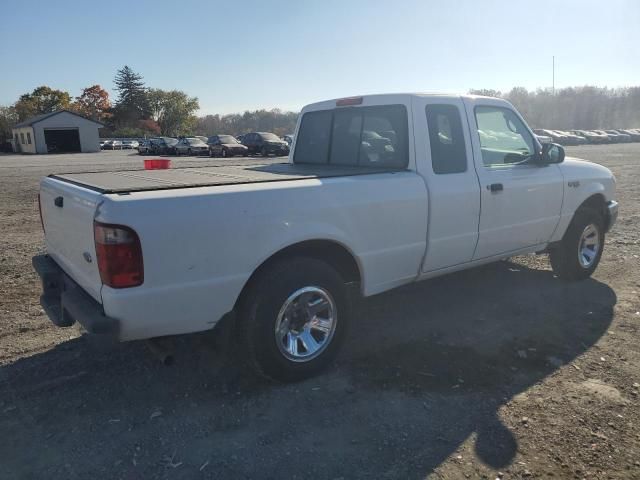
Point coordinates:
[(583, 180)]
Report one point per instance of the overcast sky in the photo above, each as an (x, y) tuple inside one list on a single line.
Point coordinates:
[(236, 55)]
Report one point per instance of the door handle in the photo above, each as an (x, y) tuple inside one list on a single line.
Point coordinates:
[(495, 187)]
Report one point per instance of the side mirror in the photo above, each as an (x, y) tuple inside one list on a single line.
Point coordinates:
[(551, 153)]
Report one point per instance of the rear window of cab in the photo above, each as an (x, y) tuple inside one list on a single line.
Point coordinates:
[(355, 136)]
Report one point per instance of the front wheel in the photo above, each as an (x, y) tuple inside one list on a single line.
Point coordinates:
[(293, 319), (264, 152), (580, 250)]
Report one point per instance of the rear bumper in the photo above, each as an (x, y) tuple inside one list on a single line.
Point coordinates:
[(612, 214), (65, 302)]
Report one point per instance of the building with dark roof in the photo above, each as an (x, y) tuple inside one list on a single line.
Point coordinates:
[(57, 132)]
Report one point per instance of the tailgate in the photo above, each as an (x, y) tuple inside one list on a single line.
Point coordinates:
[(67, 214)]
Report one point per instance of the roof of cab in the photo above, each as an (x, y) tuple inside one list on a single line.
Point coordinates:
[(387, 98)]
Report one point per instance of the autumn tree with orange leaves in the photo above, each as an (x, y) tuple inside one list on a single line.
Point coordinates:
[(93, 103)]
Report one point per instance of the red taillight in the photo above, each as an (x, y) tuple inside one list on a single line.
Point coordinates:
[(345, 102), (119, 255), (40, 211)]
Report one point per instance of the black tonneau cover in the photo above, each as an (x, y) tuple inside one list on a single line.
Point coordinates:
[(146, 180)]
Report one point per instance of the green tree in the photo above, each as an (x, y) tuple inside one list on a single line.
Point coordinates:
[(132, 104), (42, 100), (173, 110), (8, 118)]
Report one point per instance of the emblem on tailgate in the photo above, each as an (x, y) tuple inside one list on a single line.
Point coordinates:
[(87, 257)]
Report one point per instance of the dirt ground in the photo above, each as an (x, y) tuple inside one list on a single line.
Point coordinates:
[(501, 371)]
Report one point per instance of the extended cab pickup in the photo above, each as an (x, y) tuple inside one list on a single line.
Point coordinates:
[(379, 191)]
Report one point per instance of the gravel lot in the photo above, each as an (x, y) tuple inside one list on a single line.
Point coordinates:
[(497, 371)]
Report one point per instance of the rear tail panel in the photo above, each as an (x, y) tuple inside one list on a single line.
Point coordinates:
[(68, 212)]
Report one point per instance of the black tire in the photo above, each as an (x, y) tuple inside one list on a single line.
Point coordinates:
[(566, 259), (189, 152), (225, 154), (264, 152), (259, 309)]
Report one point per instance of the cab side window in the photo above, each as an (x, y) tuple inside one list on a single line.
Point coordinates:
[(504, 138), (446, 137)]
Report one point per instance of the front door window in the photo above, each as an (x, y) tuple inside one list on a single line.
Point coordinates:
[(504, 139)]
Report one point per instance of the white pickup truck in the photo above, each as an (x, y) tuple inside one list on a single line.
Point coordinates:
[(379, 191)]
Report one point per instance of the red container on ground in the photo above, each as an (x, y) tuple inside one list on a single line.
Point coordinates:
[(157, 164)]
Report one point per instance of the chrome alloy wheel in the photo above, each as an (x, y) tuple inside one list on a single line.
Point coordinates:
[(588, 246), (306, 324)]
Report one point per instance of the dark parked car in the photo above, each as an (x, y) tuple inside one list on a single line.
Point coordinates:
[(225, 146), (162, 145), (265, 143), (191, 146), (112, 145), (143, 147), (288, 138)]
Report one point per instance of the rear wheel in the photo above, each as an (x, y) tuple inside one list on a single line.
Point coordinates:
[(293, 318), (579, 253)]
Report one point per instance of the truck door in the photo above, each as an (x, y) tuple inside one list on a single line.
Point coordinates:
[(520, 200), (444, 159)]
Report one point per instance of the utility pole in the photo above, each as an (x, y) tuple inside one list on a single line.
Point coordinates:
[(553, 75)]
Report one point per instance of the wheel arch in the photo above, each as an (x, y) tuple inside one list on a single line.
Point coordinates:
[(334, 253), (595, 202)]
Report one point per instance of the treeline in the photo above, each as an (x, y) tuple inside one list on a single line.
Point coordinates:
[(582, 108), (276, 121), (136, 112), (142, 111)]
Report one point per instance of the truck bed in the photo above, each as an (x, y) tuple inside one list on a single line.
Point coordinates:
[(146, 180)]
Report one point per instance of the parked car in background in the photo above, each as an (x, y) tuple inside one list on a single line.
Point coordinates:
[(609, 138), (555, 136), (129, 144), (162, 145), (288, 138), (102, 142), (621, 136), (592, 137), (225, 146), (144, 147), (112, 145), (191, 146), (265, 143), (634, 133), (544, 138), (573, 138)]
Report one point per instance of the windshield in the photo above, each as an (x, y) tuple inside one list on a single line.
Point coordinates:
[(227, 139), (269, 137), (194, 141)]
